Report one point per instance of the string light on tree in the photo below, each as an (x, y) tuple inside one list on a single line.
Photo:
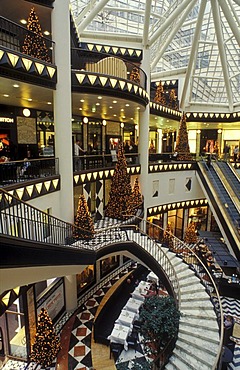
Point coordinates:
[(46, 344), (135, 75), (182, 146), (120, 202), (83, 221), (190, 234), (34, 44), (160, 95), (137, 196), (168, 237)]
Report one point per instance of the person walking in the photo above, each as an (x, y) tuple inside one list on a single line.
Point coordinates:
[(235, 153), (77, 152), (226, 151)]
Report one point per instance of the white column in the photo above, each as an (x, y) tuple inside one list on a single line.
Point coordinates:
[(144, 132), (70, 283), (63, 106)]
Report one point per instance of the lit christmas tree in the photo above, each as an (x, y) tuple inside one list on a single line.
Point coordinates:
[(83, 221), (173, 100), (135, 75), (46, 345), (160, 95), (137, 196), (190, 234), (121, 201), (168, 237), (182, 146), (34, 44)]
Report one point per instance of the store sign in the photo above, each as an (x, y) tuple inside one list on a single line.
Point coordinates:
[(6, 120)]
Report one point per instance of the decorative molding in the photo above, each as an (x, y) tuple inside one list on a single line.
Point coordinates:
[(27, 191), (128, 53), (153, 211), (22, 63), (84, 79), (152, 168)]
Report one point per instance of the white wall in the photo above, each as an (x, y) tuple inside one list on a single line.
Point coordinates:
[(178, 182)]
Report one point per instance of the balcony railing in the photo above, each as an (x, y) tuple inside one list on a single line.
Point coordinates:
[(19, 171), (107, 65), (12, 36)]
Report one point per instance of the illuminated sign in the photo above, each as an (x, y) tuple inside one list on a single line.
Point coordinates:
[(7, 119)]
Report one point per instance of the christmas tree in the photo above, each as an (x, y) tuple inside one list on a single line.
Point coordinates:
[(182, 146), (137, 196), (190, 234), (120, 202), (34, 44), (160, 95), (168, 237), (83, 221), (173, 100), (135, 75), (46, 344)]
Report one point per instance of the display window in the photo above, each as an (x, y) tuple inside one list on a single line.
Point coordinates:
[(109, 264), (198, 215), (85, 278)]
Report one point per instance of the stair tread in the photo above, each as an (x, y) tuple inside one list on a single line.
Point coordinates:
[(200, 333), (199, 342), (209, 323), (197, 359)]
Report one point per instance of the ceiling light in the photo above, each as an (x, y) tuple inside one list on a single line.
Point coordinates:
[(82, 100), (29, 99), (23, 21), (46, 33), (49, 103), (99, 97), (80, 108), (114, 101), (138, 108), (97, 103), (131, 118), (114, 115), (15, 85), (85, 120), (122, 110), (6, 95), (26, 112), (104, 122), (123, 116), (122, 124), (219, 131), (127, 105), (110, 107)]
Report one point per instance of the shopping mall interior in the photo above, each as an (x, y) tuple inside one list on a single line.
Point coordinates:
[(119, 184)]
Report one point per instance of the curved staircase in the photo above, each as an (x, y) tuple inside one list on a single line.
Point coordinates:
[(198, 339)]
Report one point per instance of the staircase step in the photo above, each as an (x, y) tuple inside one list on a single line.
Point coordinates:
[(182, 364), (195, 356), (200, 333), (199, 343), (190, 297), (188, 289), (206, 304), (195, 323)]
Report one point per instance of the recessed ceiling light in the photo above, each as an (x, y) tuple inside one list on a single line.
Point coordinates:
[(80, 108), (97, 103), (82, 100), (99, 97), (114, 115), (29, 99), (123, 116), (122, 110), (110, 107), (15, 85), (23, 21), (49, 103), (6, 95), (156, 118), (131, 118), (47, 33), (114, 101), (138, 108), (127, 105)]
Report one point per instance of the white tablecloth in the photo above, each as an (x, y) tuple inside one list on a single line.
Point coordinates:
[(119, 335), (126, 318), (153, 277), (133, 305), (140, 290)]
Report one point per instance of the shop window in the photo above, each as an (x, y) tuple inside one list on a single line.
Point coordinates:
[(94, 138), (85, 278), (175, 218), (155, 227), (198, 215), (109, 264)]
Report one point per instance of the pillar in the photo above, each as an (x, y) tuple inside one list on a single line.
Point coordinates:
[(144, 132), (63, 106), (70, 283)]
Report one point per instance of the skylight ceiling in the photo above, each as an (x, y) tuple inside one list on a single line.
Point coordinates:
[(198, 40)]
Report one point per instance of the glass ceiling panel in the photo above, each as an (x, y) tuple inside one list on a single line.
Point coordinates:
[(171, 32)]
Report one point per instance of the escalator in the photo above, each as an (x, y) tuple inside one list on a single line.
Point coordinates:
[(231, 176), (224, 203)]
